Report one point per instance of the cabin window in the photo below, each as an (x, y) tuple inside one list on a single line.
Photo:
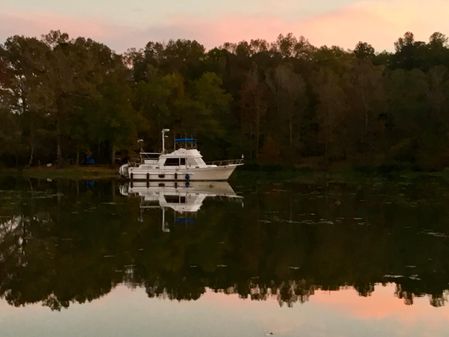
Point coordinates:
[(172, 162), (193, 162), (182, 161), (174, 199)]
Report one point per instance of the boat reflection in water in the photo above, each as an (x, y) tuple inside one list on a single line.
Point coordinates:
[(185, 198)]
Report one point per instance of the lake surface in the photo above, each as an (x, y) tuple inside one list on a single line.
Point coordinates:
[(315, 257)]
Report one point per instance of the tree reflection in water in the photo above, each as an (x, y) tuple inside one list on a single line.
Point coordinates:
[(66, 241)]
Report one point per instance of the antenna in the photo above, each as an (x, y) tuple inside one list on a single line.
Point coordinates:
[(140, 142), (164, 131)]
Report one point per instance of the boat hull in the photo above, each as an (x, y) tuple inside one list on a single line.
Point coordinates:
[(210, 173)]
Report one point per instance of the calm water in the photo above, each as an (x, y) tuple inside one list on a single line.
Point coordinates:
[(317, 258)]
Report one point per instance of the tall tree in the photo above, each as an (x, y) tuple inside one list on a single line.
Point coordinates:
[(331, 110), (289, 91), (364, 83), (24, 62), (254, 103)]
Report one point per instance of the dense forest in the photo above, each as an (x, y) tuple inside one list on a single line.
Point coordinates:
[(285, 102)]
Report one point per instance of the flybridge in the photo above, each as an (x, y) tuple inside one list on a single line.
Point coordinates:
[(187, 143), (185, 140)]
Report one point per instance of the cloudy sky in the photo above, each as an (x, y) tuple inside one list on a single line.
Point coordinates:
[(132, 23)]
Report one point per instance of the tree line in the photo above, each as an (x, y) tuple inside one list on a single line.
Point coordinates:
[(286, 102)]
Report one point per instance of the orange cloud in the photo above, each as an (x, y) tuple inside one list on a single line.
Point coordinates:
[(378, 22)]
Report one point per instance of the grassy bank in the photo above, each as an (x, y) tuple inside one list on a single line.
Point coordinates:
[(257, 174), (335, 174), (254, 173), (68, 172)]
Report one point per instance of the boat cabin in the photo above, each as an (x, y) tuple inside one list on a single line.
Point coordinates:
[(180, 158)]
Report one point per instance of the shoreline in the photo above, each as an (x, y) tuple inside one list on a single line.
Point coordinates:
[(259, 173), (67, 172)]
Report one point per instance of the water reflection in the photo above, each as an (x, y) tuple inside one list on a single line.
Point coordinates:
[(185, 198), (287, 242)]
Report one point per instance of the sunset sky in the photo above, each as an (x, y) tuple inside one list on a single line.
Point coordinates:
[(132, 23)]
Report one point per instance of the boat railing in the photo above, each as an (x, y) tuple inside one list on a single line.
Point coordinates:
[(226, 162), (136, 161), (150, 155)]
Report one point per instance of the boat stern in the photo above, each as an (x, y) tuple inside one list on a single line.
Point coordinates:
[(123, 171)]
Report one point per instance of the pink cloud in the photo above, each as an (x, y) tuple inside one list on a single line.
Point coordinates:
[(379, 22)]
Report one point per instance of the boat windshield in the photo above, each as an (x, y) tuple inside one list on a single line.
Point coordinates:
[(175, 161)]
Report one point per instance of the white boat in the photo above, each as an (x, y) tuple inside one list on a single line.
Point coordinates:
[(185, 163)]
